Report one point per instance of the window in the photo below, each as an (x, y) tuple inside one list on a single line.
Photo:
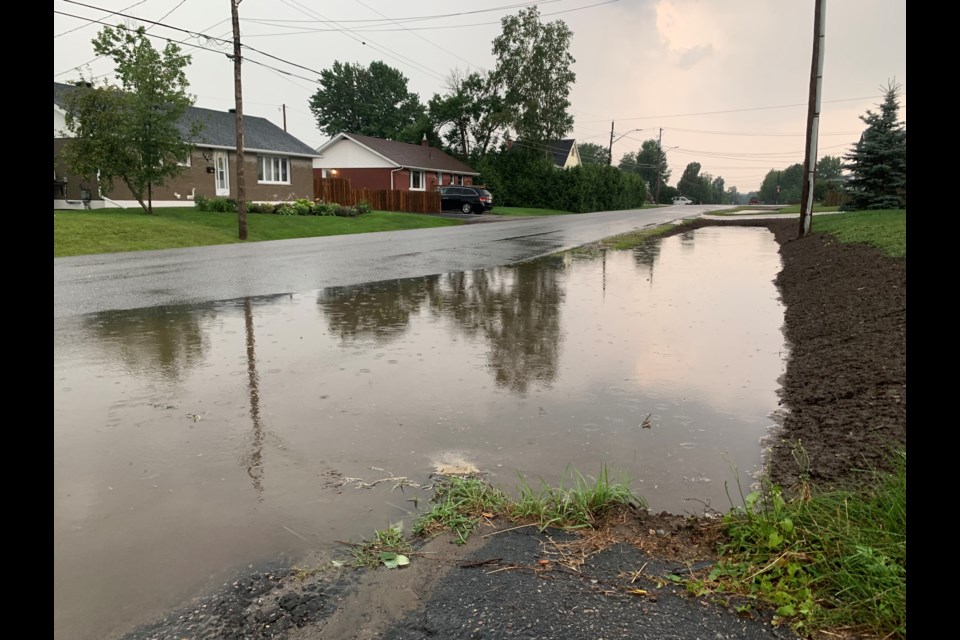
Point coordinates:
[(185, 162), (458, 179), (273, 170), (416, 180)]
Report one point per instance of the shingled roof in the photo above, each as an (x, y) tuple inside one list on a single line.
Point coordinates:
[(402, 154), (219, 129)]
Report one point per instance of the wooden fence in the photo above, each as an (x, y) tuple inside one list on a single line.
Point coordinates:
[(339, 190)]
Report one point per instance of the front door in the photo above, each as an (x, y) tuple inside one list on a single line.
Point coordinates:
[(222, 173)]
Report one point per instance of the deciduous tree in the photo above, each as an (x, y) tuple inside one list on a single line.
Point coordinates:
[(131, 132), (371, 101), (591, 153), (533, 68), (645, 163), (470, 115)]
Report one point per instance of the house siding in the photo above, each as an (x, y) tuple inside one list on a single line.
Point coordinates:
[(197, 181), (363, 178), (348, 153)]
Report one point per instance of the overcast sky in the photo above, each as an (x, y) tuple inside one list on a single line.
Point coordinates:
[(726, 80)]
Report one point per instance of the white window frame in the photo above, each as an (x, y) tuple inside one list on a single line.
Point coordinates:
[(186, 162), (422, 186), (276, 168), (459, 180), (221, 177)]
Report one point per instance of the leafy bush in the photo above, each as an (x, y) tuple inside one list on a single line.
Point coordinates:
[(527, 178), (346, 212), (285, 209), (219, 205), (321, 208), (260, 207), (362, 207), (302, 207)]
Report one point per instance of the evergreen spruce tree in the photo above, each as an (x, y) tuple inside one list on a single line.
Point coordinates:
[(878, 162)]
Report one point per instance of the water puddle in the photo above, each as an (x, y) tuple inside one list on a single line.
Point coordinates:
[(191, 441)]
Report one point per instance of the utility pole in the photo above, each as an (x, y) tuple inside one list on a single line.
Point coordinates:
[(284, 117), (813, 118), (238, 94), (778, 188), (610, 152), (659, 163)]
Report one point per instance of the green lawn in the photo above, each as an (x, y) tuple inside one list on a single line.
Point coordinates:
[(530, 211), (885, 229), (111, 230)]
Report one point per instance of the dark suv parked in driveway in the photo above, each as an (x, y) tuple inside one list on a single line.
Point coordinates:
[(465, 199)]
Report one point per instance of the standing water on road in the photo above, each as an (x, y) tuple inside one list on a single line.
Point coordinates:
[(192, 441)]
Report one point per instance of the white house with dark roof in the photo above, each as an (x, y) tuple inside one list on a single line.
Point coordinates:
[(375, 163), (564, 153), (277, 166)]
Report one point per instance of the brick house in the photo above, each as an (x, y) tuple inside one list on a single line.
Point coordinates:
[(375, 163), (277, 166)]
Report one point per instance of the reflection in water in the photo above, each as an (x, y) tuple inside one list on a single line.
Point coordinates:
[(515, 309), (377, 310), (255, 459), (168, 341), (523, 369)]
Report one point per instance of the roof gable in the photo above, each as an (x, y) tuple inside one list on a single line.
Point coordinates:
[(403, 154), (559, 150)]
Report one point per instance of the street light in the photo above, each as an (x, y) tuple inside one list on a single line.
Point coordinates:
[(610, 152)]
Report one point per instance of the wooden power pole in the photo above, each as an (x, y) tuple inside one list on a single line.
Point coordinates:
[(610, 151), (813, 118), (238, 94)]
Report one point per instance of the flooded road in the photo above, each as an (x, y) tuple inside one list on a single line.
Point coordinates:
[(193, 440)]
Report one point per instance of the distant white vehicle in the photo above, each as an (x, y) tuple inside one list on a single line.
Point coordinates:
[(682, 200)]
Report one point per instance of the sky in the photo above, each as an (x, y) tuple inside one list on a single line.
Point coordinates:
[(725, 83)]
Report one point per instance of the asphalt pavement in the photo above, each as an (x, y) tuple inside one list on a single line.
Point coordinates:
[(89, 284)]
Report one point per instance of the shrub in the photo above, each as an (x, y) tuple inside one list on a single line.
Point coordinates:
[(321, 208), (346, 212), (285, 209), (302, 207), (362, 207), (219, 205)]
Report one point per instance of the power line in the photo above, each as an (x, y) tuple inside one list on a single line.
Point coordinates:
[(451, 26), (187, 31), (372, 45), (88, 23), (414, 18), (421, 37), (710, 113), (758, 134), (196, 46)]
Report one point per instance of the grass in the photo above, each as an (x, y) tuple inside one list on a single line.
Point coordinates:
[(633, 239), (831, 560), (530, 211), (795, 208), (111, 230), (460, 504), (584, 504), (885, 229), (385, 544)]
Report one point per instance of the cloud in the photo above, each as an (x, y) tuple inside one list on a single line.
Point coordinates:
[(690, 57)]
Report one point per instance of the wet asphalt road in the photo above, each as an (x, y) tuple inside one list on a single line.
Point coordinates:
[(89, 284)]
